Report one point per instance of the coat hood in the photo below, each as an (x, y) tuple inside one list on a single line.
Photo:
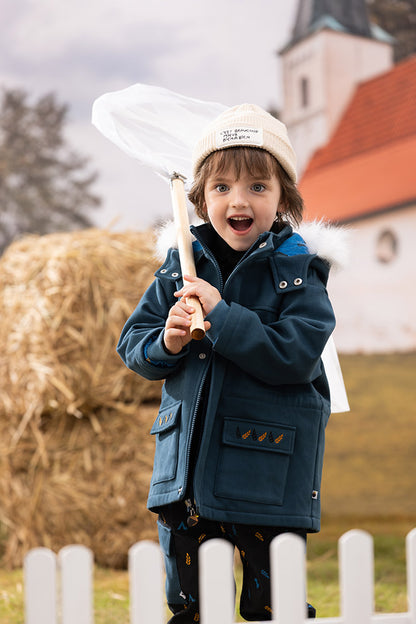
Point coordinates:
[(327, 241)]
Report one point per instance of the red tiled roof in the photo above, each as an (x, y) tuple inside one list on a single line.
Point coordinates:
[(370, 161), (366, 184)]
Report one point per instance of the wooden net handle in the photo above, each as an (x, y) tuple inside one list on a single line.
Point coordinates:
[(186, 256)]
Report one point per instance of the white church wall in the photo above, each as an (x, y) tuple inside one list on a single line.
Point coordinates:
[(374, 298)]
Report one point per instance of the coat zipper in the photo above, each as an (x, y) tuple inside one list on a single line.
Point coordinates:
[(192, 505), (194, 415)]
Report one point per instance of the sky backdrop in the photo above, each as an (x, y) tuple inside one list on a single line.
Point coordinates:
[(218, 50)]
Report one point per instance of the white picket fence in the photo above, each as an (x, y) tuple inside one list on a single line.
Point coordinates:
[(59, 588)]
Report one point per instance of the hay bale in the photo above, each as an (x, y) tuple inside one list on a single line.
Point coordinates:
[(74, 451), (93, 490), (63, 301)]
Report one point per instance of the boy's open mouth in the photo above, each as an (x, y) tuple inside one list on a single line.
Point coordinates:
[(240, 224)]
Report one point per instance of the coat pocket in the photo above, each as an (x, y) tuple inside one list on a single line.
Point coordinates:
[(166, 429), (254, 461)]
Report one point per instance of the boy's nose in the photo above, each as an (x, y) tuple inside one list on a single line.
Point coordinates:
[(238, 198)]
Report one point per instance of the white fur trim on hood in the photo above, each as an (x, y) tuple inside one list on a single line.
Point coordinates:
[(328, 241)]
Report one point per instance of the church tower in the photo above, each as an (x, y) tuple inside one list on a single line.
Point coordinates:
[(333, 47)]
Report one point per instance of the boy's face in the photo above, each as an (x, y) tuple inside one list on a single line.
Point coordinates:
[(240, 210)]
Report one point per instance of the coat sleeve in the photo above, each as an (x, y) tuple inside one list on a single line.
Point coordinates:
[(286, 351), (141, 342)]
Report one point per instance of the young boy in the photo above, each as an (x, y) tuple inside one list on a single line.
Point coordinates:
[(240, 431)]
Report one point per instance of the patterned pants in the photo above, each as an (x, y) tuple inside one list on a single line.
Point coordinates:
[(253, 544)]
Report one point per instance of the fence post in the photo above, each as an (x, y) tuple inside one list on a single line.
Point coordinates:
[(146, 584), (39, 571), (76, 567), (216, 582), (288, 573), (356, 577), (411, 573)]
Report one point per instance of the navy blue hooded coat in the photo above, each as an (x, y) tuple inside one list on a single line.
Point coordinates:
[(267, 402)]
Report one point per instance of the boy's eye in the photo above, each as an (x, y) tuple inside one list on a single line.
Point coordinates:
[(258, 188), (221, 188)]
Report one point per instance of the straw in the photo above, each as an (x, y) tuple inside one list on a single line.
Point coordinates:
[(75, 454)]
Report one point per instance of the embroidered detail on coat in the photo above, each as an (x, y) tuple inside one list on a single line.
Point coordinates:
[(258, 438), (255, 434)]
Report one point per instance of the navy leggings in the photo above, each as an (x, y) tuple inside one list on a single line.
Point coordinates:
[(253, 543)]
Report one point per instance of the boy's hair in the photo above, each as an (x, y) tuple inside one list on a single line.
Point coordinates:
[(257, 162)]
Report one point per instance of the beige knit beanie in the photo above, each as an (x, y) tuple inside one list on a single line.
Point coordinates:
[(250, 126)]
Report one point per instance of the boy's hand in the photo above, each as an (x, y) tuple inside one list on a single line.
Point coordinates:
[(177, 327), (208, 295)]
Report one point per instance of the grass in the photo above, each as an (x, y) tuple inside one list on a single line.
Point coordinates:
[(11, 597), (369, 483), (370, 455), (389, 564)]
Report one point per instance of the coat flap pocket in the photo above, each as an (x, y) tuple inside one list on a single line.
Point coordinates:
[(167, 418), (259, 435)]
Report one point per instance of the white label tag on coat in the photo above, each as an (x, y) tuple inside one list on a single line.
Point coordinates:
[(239, 136)]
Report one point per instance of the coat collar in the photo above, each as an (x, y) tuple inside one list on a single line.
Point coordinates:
[(328, 242), (203, 235)]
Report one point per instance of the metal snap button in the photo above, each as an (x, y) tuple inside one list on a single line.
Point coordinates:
[(163, 270), (283, 284), (202, 356), (175, 274), (298, 281), (262, 245)]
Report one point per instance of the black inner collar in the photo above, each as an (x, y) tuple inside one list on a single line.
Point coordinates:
[(226, 256)]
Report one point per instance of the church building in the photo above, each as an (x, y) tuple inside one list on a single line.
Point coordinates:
[(351, 115)]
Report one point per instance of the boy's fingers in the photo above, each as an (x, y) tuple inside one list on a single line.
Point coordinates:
[(186, 278), (179, 293), (183, 308), (176, 332), (174, 320), (187, 291), (186, 307)]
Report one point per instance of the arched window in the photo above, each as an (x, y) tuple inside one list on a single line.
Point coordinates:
[(386, 246), (304, 92)]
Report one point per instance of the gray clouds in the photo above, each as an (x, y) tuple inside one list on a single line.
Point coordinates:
[(213, 50)]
